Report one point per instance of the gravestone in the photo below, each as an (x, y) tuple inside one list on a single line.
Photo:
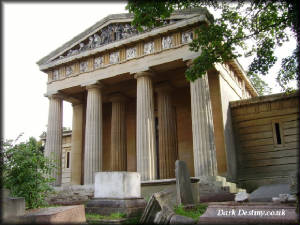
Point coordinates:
[(183, 184), (117, 192)]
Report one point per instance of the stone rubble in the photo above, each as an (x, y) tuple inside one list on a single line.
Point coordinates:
[(241, 197)]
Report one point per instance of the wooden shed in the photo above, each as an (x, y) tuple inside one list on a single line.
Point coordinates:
[(266, 131)]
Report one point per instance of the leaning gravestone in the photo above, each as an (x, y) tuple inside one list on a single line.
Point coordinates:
[(183, 184), (117, 192)]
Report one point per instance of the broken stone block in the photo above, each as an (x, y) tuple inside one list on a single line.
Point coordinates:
[(241, 197), (159, 208)]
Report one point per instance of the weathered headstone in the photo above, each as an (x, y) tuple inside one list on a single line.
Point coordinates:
[(117, 192), (183, 184)]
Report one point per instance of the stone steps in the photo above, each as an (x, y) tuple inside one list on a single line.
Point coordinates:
[(231, 186)]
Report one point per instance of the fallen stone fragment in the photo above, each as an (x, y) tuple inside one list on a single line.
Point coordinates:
[(241, 197)]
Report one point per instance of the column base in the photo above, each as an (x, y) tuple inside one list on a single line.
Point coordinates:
[(132, 207)]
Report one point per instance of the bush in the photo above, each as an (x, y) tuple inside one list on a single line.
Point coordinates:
[(26, 171)]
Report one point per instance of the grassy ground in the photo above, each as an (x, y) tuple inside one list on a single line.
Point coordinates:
[(193, 213), (96, 218)]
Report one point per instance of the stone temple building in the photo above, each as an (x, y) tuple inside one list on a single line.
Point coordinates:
[(134, 110)]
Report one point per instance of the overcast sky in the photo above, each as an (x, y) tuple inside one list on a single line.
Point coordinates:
[(33, 30)]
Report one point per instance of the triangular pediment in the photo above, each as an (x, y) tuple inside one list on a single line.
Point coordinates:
[(112, 28)]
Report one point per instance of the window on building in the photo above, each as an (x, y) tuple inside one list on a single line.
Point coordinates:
[(277, 133), (68, 160)]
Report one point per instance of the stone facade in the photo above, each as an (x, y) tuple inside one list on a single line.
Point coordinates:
[(133, 109)]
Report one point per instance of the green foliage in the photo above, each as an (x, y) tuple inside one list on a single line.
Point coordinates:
[(113, 216), (193, 213), (25, 170), (255, 27)]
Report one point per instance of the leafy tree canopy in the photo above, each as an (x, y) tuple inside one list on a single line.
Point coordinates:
[(255, 27), (25, 171)]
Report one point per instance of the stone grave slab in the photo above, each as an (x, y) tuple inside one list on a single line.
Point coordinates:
[(265, 193), (53, 215), (183, 184), (117, 192), (117, 185), (249, 213), (11, 207)]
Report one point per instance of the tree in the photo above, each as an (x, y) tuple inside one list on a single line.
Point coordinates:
[(255, 27), (26, 171)]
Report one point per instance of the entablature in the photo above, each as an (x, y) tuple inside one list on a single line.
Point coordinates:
[(148, 43)]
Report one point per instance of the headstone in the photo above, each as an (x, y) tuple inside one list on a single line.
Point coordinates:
[(267, 192), (56, 215), (241, 197), (183, 184), (117, 192)]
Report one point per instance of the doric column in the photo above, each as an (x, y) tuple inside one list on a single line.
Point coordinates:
[(145, 144), (93, 134), (118, 134), (53, 148), (77, 136), (204, 149), (167, 136)]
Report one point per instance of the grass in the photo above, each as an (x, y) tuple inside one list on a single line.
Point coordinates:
[(193, 213), (112, 216)]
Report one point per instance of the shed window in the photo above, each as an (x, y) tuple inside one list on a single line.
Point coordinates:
[(277, 130), (68, 160), (277, 133)]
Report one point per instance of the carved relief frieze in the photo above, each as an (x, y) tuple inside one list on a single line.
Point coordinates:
[(149, 47), (70, 70), (114, 57), (130, 53), (83, 66), (98, 62), (167, 42), (187, 37), (108, 34)]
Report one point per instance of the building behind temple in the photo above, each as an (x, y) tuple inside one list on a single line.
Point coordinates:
[(134, 110)]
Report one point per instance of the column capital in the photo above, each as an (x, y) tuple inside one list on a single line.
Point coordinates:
[(163, 87), (143, 73), (93, 84), (54, 95), (117, 97)]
